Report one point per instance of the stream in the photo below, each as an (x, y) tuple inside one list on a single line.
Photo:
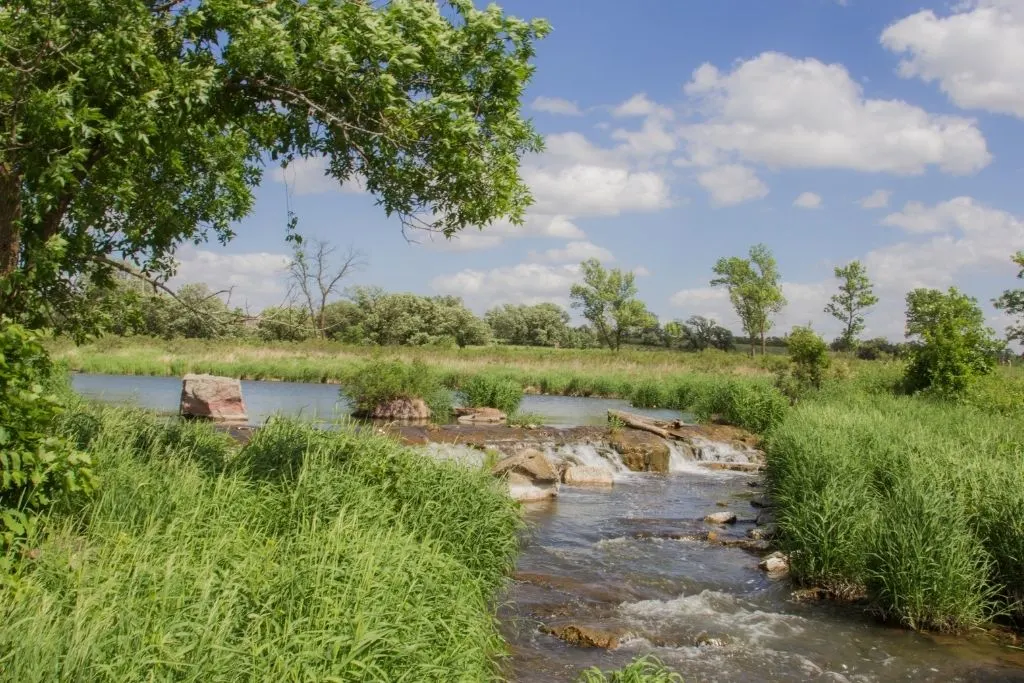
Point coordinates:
[(625, 560)]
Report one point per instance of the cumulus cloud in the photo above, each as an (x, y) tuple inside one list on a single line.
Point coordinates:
[(759, 112), (556, 105), (808, 200), (805, 303), (976, 54), (309, 176), (879, 199), (641, 271), (732, 184), (640, 105), (588, 190), (524, 283), (256, 279), (574, 252)]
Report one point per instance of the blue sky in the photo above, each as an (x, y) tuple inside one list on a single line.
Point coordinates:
[(681, 131)]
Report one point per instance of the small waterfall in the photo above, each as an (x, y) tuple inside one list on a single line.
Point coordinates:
[(681, 461), (585, 453), (719, 451)]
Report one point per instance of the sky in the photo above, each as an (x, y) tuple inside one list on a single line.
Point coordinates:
[(681, 131)]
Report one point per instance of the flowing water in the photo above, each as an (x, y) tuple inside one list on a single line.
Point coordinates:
[(627, 560)]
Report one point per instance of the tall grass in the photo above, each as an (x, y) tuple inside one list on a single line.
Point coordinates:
[(916, 502), (640, 670), (306, 555), (489, 391), (381, 381)]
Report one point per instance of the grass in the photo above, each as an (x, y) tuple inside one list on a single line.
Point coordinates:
[(917, 503), (377, 382), (489, 391), (640, 670), (306, 555)]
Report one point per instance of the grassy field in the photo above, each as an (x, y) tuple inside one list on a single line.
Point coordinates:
[(200, 561)]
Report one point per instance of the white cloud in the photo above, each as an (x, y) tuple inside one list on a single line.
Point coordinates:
[(308, 176), (732, 184), (640, 105), (494, 235), (808, 200), (257, 279), (556, 105), (642, 271), (587, 190), (787, 112), (574, 252), (652, 139), (975, 54), (805, 304), (467, 240), (526, 283), (879, 199)]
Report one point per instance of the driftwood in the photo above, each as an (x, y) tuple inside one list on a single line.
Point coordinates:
[(638, 422)]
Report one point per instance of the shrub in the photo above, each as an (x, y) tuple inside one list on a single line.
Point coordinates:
[(487, 391), (809, 355), (650, 394), (370, 385), (37, 468)]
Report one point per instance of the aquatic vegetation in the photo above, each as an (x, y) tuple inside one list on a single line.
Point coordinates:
[(492, 391), (640, 670), (377, 382)]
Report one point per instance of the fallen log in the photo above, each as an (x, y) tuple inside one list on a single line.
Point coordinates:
[(638, 422)]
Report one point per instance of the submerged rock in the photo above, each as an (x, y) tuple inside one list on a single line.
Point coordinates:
[(402, 409), (761, 502), (761, 533), (766, 518), (587, 475), (529, 474), (776, 563), (210, 397), (641, 451), (469, 416), (584, 636), (721, 517)]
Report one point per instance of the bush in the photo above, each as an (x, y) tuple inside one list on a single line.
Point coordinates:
[(37, 468), (809, 355), (488, 391), (377, 382), (650, 394)]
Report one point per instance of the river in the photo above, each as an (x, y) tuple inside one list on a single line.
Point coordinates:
[(620, 560)]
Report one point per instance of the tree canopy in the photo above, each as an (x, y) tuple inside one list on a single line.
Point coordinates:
[(754, 290), (129, 126), (544, 324), (855, 296), (1012, 301), (609, 302)]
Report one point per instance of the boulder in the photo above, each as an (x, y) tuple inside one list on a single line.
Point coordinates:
[(529, 474), (584, 636), (525, 490), (641, 451), (721, 517), (766, 518), (402, 409), (587, 475), (476, 416), (761, 533), (214, 398), (776, 563), (761, 502)]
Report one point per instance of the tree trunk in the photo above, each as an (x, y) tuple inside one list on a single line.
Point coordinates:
[(763, 351), (10, 221)]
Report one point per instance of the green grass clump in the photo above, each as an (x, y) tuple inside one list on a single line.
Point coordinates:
[(650, 394), (369, 385), (489, 391), (640, 670), (306, 555), (913, 501)]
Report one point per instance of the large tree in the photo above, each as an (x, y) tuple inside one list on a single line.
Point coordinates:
[(315, 275), (1012, 301), (754, 290), (855, 296), (608, 300), (544, 324), (129, 126)]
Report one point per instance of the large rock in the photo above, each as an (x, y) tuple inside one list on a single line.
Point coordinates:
[(486, 416), (777, 563), (402, 409), (584, 636), (529, 474), (721, 517), (641, 451), (214, 398), (587, 475)]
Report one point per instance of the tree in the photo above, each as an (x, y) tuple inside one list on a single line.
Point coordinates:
[(952, 347), (128, 126), (754, 290), (1012, 301), (393, 319), (809, 355), (285, 323), (855, 296), (608, 299), (315, 278), (700, 333), (544, 324)]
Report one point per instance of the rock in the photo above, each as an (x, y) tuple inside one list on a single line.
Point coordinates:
[(403, 410), (761, 533), (525, 490), (765, 518), (721, 518), (760, 502), (641, 451), (529, 474), (469, 416), (776, 563), (212, 398), (587, 475), (584, 636), (706, 640)]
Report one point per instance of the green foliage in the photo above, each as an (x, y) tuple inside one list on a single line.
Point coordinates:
[(284, 323), (490, 391), (608, 299), (1012, 301), (540, 325), (388, 319), (159, 131), (367, 386), (855, 296), (361, 560), (640, 670), (37, 467), (754, 290), (650, 394), (809, 355), (953, 346), (699, 333)]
